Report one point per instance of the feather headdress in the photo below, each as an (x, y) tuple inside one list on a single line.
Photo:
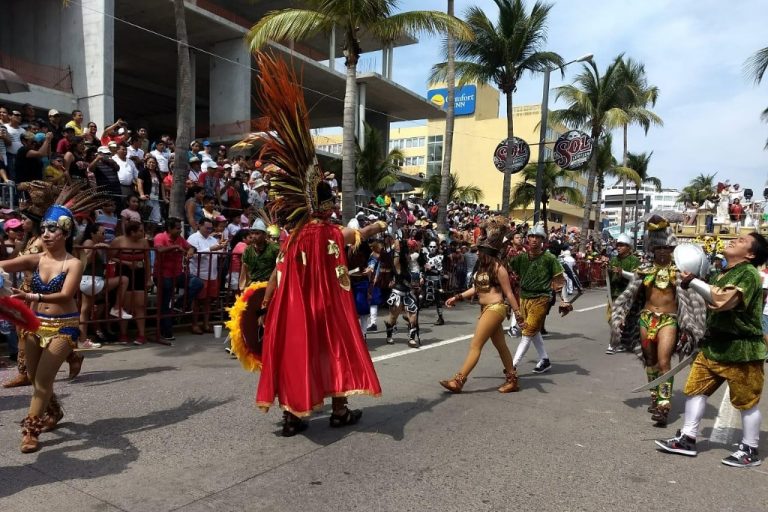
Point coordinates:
[(287, 143)]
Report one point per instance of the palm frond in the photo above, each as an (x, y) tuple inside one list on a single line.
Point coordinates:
[(756, 65), (288, 24)]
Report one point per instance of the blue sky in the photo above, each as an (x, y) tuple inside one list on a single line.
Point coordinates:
[(693, 51)]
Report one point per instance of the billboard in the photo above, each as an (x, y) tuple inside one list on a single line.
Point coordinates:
[(465, 99)]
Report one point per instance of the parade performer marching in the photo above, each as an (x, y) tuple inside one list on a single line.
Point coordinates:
[(55, 281), (492, 288), (732, 350), (671, 319), (403, 299), (433, 280), (313, 347), (540, 275), (621, 270)]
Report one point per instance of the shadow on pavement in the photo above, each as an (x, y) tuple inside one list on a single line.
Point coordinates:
[(386, 419), (102, 377), (54, 462)]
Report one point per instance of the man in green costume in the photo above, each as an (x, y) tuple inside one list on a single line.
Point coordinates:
[(621, 269), (732, 350)]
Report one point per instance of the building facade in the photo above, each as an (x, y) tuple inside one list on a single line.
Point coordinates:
[(478, 129), (647, 199)]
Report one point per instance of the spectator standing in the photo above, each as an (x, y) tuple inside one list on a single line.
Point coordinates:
[(15, 131), (76, 160), (134, 150), (162, 155), (55, 173), (127, 172), (55, 126), (206, 267), (149, 185), (28, 116), (105, 170), (76, 122), (133, 258), (131, 212), (194, 208), (91, 136), (29, 158), (65, 143), (171, 249), (107, 219), (5, 140)]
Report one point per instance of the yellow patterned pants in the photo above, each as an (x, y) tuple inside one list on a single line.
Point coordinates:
[(745, 380), (534, 312)]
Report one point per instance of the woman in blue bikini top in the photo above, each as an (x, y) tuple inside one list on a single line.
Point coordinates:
[(55, 281)]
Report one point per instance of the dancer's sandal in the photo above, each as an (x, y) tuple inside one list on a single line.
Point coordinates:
[(75, 365), (293, 425), (53, 415), (455, 384), (349, 417), (511, 385)]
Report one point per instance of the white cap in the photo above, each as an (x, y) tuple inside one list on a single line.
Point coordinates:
[(258, 225), (623, 238)]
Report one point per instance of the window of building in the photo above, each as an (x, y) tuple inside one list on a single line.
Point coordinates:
[(434, 154)]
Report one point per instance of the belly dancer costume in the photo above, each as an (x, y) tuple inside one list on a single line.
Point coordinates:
[(688, 319)]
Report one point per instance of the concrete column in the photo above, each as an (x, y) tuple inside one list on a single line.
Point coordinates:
[(390, 60), (361, 114), (384, 60), (96, 90), (380, 123), (230, 88)]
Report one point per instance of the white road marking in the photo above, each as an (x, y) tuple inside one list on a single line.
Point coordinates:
[(591, 308), (423, 348)]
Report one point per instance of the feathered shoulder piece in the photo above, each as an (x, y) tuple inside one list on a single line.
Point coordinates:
[(39, 196), (286, 142)]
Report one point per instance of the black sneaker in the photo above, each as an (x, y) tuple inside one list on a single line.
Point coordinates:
[(542, 366), (167, 337), (373, 328), (544, 332), (680, 444), (744, 457), (440, 320)]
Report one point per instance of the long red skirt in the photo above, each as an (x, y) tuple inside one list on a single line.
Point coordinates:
[(313, 346)]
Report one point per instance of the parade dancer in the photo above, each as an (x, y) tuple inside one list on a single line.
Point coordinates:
[(540, 274), (516, 247), (55, 281), (402, 299), (671, 319), (433, 280), (313, 347), (621, 269), (492, 288), (732, 351)]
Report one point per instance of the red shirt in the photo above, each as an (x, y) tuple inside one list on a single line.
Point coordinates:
[(233, 199), (170, 264)]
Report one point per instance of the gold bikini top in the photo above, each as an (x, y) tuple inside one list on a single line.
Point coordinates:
[(482, 282)]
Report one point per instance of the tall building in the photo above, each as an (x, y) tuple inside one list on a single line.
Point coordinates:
[(647, 199), (477, 131)]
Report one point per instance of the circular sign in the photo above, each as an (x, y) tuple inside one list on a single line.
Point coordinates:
[(573, 150), (520, 153)]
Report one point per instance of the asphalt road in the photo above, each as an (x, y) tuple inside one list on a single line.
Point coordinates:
[(159, 428)]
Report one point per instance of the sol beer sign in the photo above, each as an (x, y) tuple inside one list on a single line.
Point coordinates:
[(520, 154), (573, 150)]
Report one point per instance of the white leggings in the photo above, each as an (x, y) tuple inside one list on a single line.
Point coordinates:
[(694, 412)]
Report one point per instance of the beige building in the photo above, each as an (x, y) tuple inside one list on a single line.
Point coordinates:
[(478, 130)]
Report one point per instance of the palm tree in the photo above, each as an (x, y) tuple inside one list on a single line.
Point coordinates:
[(639, 163), (456, 193), (183, 115), (608, 168), (445, 170), (595, 103), (638, 96), (553, 185), (501, 54), (376, 18), (701, 188), (375, 171), (756, 66)]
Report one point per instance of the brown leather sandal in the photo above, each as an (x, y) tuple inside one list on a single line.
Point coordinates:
[(53, 414), (511, 385), (30, 431), (455, 384)]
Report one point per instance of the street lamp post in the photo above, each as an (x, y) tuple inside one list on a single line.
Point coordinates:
[(543, 135)]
